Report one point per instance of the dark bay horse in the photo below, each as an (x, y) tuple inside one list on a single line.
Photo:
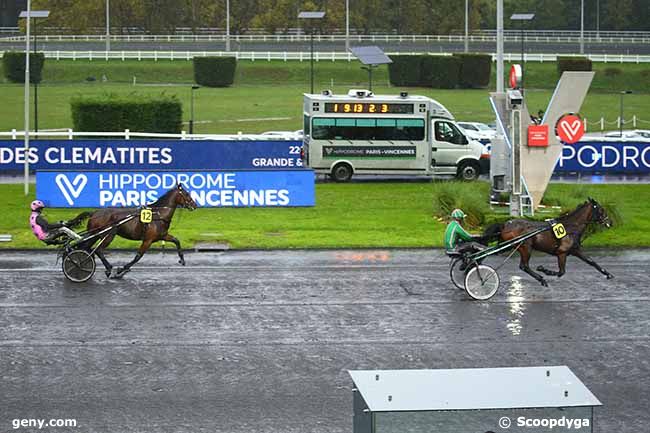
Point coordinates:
[(157, 230), (575, 223)]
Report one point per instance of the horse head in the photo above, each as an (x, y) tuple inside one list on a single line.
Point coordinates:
[(598, 213), (183, 198)]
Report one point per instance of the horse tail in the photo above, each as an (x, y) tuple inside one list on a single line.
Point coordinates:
[(76, 221), (492, 233)]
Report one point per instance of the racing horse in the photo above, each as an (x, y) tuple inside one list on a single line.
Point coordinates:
[(575, 222), (157, 230)]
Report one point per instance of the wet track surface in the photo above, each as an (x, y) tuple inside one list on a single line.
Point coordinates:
[(261, 341)]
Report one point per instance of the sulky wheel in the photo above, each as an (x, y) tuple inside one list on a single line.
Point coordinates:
[(78, 266), (457, 272), (481, 282)]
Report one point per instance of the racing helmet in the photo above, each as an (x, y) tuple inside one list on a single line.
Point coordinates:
[(37, 204), (458, 214)]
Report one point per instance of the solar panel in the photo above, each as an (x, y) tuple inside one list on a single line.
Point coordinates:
[(370, 55), (311, 15)]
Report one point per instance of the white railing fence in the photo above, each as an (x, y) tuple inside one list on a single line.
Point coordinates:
[(69, 134), (604, 125), (305, 56)]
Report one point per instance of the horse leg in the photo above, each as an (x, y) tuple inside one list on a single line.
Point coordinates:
[(588, 260), (176, 242), (524, 254), (561, 263), (143, 249), (100, 253)]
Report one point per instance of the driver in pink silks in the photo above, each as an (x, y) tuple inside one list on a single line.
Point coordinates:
[(46, 232)]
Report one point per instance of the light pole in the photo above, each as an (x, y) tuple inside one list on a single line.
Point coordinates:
[(598, 19), (227, 25), (108, 25), (311, 16), (522, 18), (582, 26), (27, 37), (35, 14), (499, 46), (195, 87), (467, 26), (347, 25), (620, 119)]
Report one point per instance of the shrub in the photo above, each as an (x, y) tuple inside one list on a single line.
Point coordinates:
[(214, 71), (475, 70), (13, 64), (405, 71), (612, 72), (138, 113), (440, 72), (473, 200), (573, 64)]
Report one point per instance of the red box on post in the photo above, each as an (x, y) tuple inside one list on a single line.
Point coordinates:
[(538, 136)]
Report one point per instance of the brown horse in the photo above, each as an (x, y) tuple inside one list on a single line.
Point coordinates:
[(157, 230), (575, 223)]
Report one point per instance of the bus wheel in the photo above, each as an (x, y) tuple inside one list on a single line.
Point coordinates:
[(341, 172), (468, 170)]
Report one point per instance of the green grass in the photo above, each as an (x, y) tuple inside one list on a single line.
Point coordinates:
[(352, 215), (265, 91)]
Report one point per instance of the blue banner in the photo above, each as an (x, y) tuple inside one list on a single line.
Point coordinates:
[(85, 155), (605, 157), (207, 188)]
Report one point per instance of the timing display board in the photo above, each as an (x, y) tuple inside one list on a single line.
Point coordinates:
[(368, 108)]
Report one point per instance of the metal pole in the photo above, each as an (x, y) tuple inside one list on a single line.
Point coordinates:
[(582, 27), (499, 85), (35, 83), (28, 35), (598, 19), (620, 119), (192, 111), (227, 25), (467, 26), (523, 60), (311, 60), (347, 25), (108, 25)]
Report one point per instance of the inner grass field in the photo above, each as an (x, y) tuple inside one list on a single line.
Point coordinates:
[(367, 215), (268, 95)]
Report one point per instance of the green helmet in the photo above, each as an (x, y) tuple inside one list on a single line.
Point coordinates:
[(458, 214)]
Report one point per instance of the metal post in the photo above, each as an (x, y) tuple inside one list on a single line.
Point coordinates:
[(35, 83), (108, 25), (227, 25), (347, 25), (467, 26), (620, 119), (27, 38), (598, 19), (499, 85), (311, 60), (582, 27), (523, 61), (192, 110)]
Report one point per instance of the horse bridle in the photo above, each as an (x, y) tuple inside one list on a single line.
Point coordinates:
[(598, 214)]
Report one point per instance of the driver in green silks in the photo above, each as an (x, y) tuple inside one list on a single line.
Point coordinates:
[(457, 239)]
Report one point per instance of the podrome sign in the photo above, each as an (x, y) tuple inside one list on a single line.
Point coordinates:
[(208, 189)]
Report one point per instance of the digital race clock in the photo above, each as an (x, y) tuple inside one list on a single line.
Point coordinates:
[(368, 108)]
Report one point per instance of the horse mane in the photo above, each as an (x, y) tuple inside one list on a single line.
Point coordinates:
[(572, 212), (162, 200)]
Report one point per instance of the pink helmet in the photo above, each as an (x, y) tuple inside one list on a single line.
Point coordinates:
[(37, 204)]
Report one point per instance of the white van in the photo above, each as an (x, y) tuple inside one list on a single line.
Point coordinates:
[(363, 133)]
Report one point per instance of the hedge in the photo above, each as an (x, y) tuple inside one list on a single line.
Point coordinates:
[(406, 71), (138, 113), (441, 72), (475, 69), (573, 64), (13, 64), (214, 71)]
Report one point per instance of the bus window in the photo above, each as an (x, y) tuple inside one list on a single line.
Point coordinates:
[(305, 125), (366, 129), (446, 131)]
